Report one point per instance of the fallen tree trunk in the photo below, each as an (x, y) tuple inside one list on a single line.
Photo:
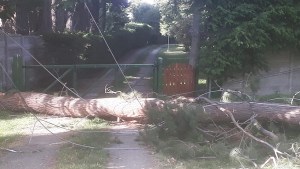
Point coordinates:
[(113, 108), (107, 108), (242, 111)]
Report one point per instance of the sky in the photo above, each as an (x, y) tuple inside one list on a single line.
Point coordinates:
[(149, 1), (146, 1)]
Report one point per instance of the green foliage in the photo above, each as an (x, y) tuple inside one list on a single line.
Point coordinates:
[(173, 136), (181, 30), (236, 34), (76, 48), (116, 15), (8, 7), (65, 48), (180, 125), (148, 14)]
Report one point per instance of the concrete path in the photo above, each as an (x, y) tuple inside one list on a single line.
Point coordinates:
[(130, 153)]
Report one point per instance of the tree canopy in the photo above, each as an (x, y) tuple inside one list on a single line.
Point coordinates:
[(40, 16), (146, 13), (234, 35)]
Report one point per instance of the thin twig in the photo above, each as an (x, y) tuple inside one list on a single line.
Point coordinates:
[(229, 113), (294, 97), (271, 158), (10, 150), (32, 131)]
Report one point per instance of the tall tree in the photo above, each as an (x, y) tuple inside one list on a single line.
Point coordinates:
[(59, 15), (237, 33), (95, 10), (116, 15), (7, 10), (22, 18), (193, 58), (146, 13), (46, 19), (234, 34), (81, 18), (175, 12), (102, 17)]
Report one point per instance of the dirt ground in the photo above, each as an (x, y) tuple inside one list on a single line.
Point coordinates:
[(38, 150)]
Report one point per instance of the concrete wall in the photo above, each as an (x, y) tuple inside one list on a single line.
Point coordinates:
[(283, 76), (13, 45)]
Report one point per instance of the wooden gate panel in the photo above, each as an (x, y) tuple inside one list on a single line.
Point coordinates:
[(178, 78)]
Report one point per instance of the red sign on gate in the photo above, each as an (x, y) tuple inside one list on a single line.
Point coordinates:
[(179, 78)]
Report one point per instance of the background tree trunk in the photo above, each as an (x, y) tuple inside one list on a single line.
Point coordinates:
[(46, 20), (59, 16), (102, 18), (95, 7), (195, 38), (22, 20), (81, 19), (113, 108)]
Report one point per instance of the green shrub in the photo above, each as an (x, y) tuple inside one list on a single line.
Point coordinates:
[(181, 124), (142, 33), (76, 48), (85, 48), (64, 48)]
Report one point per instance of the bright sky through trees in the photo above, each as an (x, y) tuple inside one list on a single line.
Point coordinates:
[(145, 1), (149, 1)]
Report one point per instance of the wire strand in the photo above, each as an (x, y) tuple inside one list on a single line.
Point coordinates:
[(39, 63), (37, 118), (112, 54)]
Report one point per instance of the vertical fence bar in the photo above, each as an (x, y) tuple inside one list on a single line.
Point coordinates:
[(154, 77)]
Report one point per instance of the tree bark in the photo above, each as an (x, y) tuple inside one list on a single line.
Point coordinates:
[(46, 22), (95, 7), (81, 19), (113, 108), (195, 38), (102, 15), (22, 21), (108, 108), (59, 16)]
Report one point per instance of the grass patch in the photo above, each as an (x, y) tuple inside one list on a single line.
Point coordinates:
[(11, 127), (175, 54), (75, 157)]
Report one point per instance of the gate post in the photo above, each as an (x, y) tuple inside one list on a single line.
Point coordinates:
[(17, 72), (159, 74)]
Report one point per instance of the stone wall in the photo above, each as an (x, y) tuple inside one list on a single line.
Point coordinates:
[(282, 77), (11, 46)]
